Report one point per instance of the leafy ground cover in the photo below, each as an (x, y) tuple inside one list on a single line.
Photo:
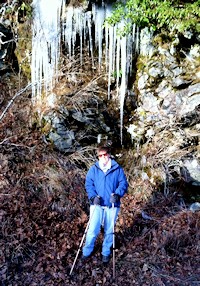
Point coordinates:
[(44, 213)]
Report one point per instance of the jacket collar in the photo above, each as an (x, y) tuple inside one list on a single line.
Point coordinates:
[(114, 165)]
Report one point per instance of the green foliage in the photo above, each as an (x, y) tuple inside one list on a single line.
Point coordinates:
[(17, 11), (26, 10), (157, 14)]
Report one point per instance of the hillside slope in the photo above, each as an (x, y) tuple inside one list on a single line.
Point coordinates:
[(44, 212)]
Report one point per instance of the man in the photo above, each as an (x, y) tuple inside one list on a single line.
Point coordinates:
[(105, 184)]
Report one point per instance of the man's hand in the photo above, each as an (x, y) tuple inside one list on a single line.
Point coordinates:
[(96, 200), (114, 198)]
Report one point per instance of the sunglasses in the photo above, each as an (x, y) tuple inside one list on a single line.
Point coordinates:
[(103, 155)]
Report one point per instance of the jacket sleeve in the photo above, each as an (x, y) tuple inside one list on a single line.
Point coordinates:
[(122, 184), (89, 183)]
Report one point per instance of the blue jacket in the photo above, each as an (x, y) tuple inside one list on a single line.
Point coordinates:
[(102, 184)]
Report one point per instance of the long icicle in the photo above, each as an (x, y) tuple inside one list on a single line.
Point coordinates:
[(46, 32), (123, 85)]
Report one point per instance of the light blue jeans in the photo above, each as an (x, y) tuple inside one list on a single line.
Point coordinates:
[(100, 216)]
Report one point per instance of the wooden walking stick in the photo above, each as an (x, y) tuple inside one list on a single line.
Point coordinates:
[(82, 240), (113, 213)]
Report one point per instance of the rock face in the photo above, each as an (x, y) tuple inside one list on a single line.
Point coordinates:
[(168, 102), (7, 46), (168, 83), (71, 129)]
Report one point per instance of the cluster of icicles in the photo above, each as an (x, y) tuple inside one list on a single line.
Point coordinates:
[(55, 22)]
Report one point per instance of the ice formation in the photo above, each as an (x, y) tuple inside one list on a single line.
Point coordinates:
[(54, 22)]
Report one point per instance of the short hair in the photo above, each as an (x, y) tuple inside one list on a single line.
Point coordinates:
[(103, 148)]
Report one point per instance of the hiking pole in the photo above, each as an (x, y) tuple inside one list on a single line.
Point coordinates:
[(113, 213), (82, 241)]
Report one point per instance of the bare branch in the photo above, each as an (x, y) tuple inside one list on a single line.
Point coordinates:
[(14, 97)]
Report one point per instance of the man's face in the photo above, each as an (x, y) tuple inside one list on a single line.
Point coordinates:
[(103, 157)]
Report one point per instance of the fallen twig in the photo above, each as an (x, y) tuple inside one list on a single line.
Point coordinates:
[(5, 139), (12, 100)]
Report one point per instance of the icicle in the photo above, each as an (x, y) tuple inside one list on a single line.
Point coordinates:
[(110, 59), (45, 45), (94, 12), (134, 35), (107, 38), (89, 24), (98, 18), (129, 54), (68, 32), (80, 32), (114, 47), (106, 47), (123, 85), (118, 64)]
